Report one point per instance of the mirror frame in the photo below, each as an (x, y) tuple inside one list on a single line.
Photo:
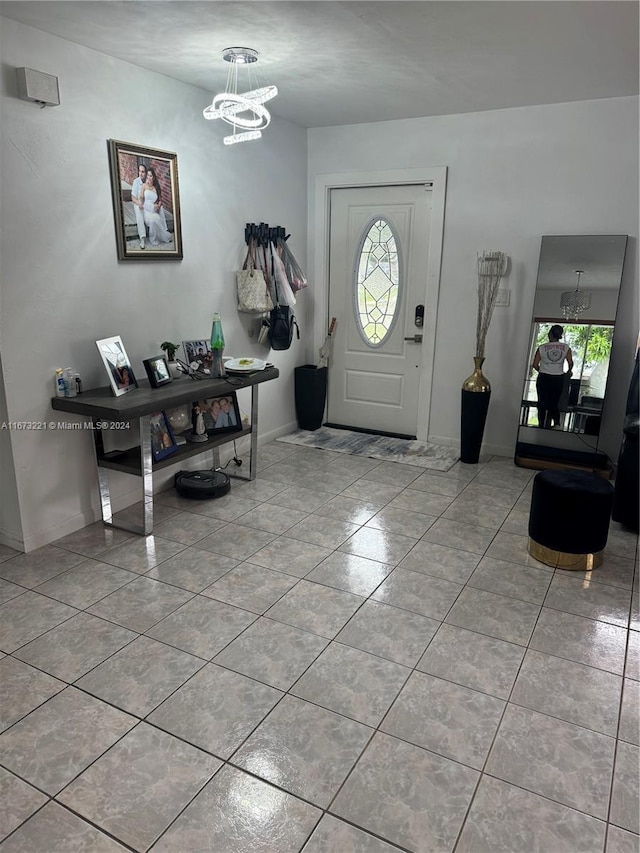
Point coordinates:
[(602, 258)]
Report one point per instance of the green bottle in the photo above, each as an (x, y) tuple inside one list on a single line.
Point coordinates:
[(217, 347)]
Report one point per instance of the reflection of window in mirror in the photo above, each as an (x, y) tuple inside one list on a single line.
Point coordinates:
[(584, 392)]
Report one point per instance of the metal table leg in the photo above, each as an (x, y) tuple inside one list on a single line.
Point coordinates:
[(146, 465), (146, 461), (253, 459), (253, 451)]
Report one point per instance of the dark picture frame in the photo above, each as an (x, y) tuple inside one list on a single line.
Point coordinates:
[(117, 364), (160, 222), (221, 414), (163, 442), (157, 370), (198, 352)]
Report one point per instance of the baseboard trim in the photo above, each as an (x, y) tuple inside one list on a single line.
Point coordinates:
[(11, 541)]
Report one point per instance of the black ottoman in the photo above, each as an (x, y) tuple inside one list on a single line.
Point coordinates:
[(569, 519)]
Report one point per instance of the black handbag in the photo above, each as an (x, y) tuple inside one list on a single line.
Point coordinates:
[(281, 318), (281, 323)]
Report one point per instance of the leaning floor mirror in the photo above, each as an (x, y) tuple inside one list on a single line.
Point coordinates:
[(577, 288)]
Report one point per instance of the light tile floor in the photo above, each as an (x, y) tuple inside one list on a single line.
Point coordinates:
[(342, 656)]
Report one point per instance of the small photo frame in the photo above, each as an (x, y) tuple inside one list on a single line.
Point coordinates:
[(117, 364), (157, 370), (163, 442), (198, 352), (221, 414)]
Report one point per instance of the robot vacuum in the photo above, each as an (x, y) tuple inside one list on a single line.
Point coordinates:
[(202, 485)]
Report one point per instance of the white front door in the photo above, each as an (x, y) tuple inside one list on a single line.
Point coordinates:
[(378, 261)]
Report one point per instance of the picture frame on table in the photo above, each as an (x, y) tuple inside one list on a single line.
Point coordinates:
[(221, 414), (146, 202), (198, 353), (157, 370), (117, 364), (163, 442)]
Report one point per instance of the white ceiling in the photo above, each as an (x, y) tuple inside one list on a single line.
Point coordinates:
[(599, 256), (349, 62)]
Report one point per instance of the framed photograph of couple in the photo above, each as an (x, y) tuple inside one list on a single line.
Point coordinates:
[(221, 414), (146, 202)]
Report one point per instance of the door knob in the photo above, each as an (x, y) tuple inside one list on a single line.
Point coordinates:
[(415, 339)]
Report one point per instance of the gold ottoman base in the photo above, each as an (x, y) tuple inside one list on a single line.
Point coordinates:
[(564, 560)]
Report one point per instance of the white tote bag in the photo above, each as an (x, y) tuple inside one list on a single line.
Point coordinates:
[(252, 290)]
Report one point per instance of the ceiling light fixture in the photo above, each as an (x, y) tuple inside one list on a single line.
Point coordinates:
[(244, 110), (574, 302)]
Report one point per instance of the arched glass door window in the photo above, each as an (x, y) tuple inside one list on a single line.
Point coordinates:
[(377, 282)]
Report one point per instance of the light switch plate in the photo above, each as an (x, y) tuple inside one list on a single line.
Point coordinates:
[(504, 298)]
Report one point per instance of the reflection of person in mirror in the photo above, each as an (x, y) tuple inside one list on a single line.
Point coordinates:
[(549, 362)]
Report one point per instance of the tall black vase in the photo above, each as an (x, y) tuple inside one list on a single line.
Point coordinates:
[(310, 395), (476, 394)]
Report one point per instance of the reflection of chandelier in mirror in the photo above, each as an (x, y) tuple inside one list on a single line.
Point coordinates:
[(574, 302), (244, 110)]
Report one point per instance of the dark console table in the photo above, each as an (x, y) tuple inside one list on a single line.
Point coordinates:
[(106, 412)]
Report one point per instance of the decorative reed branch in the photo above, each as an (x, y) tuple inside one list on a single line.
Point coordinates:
[(491, 268)]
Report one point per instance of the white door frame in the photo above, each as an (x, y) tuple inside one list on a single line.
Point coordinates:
[(437, 177)]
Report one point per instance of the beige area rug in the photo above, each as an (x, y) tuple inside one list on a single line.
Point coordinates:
[(422, 454)]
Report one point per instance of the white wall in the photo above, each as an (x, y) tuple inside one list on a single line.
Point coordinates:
[(9, 506), (513, 176), (62, 285)]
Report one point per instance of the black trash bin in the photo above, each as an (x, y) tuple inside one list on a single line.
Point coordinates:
[(310, 394)]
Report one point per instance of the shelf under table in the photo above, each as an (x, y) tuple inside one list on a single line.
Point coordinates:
[(128, 461), (108, 412)]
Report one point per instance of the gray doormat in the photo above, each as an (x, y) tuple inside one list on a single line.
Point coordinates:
[(422, 454)]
